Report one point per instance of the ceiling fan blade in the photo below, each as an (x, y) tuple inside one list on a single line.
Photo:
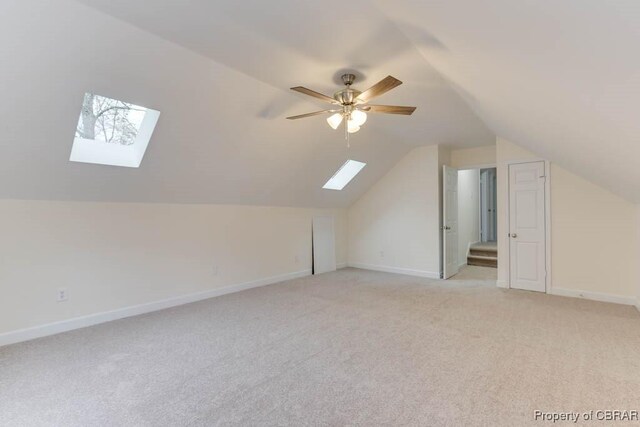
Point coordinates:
[(388, 109), (383, 86), (315, 113), (315, 94)]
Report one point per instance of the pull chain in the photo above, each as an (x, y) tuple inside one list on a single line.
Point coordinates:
[(346, 133), (346, 129)]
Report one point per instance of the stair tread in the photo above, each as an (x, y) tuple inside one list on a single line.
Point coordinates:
[(482, 257), (482, 253), (486, 246)]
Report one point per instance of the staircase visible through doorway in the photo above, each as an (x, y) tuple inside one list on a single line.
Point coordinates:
[(483, 254)]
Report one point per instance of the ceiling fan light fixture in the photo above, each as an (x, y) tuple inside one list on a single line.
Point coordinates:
[(352, 127), (358, 117), (335, 120), (350, 106)]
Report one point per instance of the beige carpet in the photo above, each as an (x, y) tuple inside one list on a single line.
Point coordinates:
[(475, 272), (346, 348)]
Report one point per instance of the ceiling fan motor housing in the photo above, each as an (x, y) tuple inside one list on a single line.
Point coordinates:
[(347, 96), (348, 79)]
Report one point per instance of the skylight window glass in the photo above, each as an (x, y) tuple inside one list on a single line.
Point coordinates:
[(344, 175), (109, 120), (112, 132)]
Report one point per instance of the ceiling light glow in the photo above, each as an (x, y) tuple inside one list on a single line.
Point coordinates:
[(358, 117), (335, 120), (352, 127)]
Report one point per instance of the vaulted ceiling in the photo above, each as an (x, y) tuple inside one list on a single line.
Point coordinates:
[(559, 78)]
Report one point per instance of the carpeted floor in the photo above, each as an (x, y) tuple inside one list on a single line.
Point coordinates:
[(475, 272), (352, 347)]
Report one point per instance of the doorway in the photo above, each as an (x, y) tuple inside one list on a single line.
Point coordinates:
[(323, 245), (469, 215)]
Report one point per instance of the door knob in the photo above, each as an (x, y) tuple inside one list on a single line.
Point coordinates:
[(514, 235)]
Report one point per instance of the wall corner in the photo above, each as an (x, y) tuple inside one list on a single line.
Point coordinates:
[(637, 256)]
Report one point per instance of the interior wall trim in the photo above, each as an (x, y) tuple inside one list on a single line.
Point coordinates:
[(594, 296), (397, 270), (34, 332)]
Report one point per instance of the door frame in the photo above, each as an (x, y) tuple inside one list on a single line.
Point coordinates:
[(547, 220), (333, 239)]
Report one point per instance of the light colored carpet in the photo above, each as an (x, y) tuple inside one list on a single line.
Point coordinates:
[(352, 347), (476, 272)]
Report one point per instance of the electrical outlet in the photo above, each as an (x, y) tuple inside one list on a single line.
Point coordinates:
[(214, 271), (63, 295), (296, 259)]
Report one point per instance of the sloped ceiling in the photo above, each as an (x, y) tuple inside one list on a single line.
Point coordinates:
[(559, 78), (220, 73)]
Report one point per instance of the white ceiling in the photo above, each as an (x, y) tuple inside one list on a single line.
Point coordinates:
[(558, 77)]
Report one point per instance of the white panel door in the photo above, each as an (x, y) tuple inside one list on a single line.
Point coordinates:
[(450, 221), (324, 245), (527, 228)]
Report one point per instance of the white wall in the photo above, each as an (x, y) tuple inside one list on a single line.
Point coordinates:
[(468, 211), (115, 255), (472, 157), (395, 225), (593, 246)]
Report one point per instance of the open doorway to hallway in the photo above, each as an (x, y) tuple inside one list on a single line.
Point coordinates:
[(477, 224)]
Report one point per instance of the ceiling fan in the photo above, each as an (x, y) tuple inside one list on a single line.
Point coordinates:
[(350, 105)]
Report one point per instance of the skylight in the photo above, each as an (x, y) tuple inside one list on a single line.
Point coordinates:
[(112, 132), (344, 175)]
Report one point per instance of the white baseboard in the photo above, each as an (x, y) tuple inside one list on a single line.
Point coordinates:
[(594, 296), (341, 265), (134, 310), (397, 270), (502, 284)]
